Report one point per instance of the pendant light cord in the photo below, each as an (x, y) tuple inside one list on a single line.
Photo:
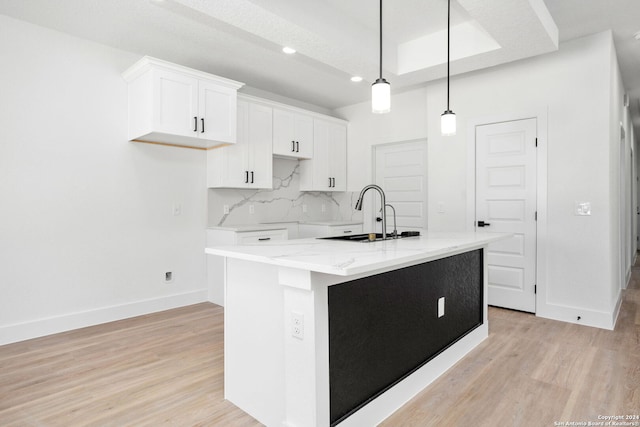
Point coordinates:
[(380, 39), (448, 48)]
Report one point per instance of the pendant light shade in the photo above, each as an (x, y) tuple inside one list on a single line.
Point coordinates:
[(381, 96), (380, 89), (448, 123), (448, 118)]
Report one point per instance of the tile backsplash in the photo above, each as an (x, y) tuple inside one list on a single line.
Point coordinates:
[(281, 204)]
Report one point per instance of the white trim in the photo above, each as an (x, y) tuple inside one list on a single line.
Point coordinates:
[(281, 106), (66, 322), (541, 116), (569, 314), (148, 62)]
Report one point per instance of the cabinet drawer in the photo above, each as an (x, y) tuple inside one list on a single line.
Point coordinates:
[(340, 230), (243, 238)]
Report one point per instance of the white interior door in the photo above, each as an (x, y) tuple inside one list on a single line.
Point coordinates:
[(506, 202), (401, 171)]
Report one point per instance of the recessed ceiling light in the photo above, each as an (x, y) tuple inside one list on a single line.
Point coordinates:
[(356, 79), (637, 35), (288, 50)]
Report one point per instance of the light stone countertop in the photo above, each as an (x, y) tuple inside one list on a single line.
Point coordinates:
[(345, 258), (279, 225), (250, 227)]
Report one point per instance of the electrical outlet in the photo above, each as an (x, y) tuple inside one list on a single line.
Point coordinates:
[(440, 306), (252, 209), (304, 208), (177, 209), (297, 325), (225, 209), (324, 207), (440, 207)]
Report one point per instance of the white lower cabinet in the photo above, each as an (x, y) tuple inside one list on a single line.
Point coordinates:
[(221, 237), (327, 171), (248, 163), (322, 230)]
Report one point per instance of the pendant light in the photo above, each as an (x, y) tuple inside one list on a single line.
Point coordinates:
[(380, 89), (448, 118)]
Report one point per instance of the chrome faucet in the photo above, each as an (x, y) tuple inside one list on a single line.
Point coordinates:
[(358, 206), (395, 227)]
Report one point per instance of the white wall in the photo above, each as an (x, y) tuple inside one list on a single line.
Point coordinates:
[(86, 226), (573, 88)]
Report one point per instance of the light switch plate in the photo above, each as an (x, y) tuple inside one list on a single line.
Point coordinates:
[(582, 208)]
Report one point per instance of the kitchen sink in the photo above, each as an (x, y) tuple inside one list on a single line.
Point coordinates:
[(364, 238)]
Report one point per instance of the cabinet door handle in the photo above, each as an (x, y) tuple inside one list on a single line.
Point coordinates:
[(483, 224), (347, 231), (262, 239), (195, 124), (293, 146), (297, 146), (246, 177), (252, 177), (202, 131), (329, 182)]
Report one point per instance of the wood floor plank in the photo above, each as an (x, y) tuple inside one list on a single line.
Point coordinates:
[(167, 369)]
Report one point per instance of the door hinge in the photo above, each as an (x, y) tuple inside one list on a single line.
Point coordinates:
[(535, 289), (536, 142)]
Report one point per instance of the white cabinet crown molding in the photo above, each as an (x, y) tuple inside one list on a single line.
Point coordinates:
[(147, 62), (281, 106)]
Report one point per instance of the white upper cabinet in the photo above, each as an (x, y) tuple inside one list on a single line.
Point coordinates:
[(175, 105), (249, 162), (327, 171), (292, 134)]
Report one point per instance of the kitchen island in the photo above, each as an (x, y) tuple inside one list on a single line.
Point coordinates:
[(321, 332)]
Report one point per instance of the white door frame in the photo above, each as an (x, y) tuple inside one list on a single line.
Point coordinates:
[(541, 116)]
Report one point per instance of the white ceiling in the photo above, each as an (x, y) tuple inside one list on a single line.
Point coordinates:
[(335, 39)]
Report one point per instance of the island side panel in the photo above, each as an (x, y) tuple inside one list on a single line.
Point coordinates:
[(254, 370), (384, 327)]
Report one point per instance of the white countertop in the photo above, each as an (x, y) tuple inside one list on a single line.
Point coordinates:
[(280, 225), (251, 227), (347, 258), (330, 223)]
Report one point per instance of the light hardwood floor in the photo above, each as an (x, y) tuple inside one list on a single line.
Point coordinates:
[(167, 369)]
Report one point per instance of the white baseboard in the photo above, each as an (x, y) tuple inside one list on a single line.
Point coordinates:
[(66, 322), (580, 316)]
